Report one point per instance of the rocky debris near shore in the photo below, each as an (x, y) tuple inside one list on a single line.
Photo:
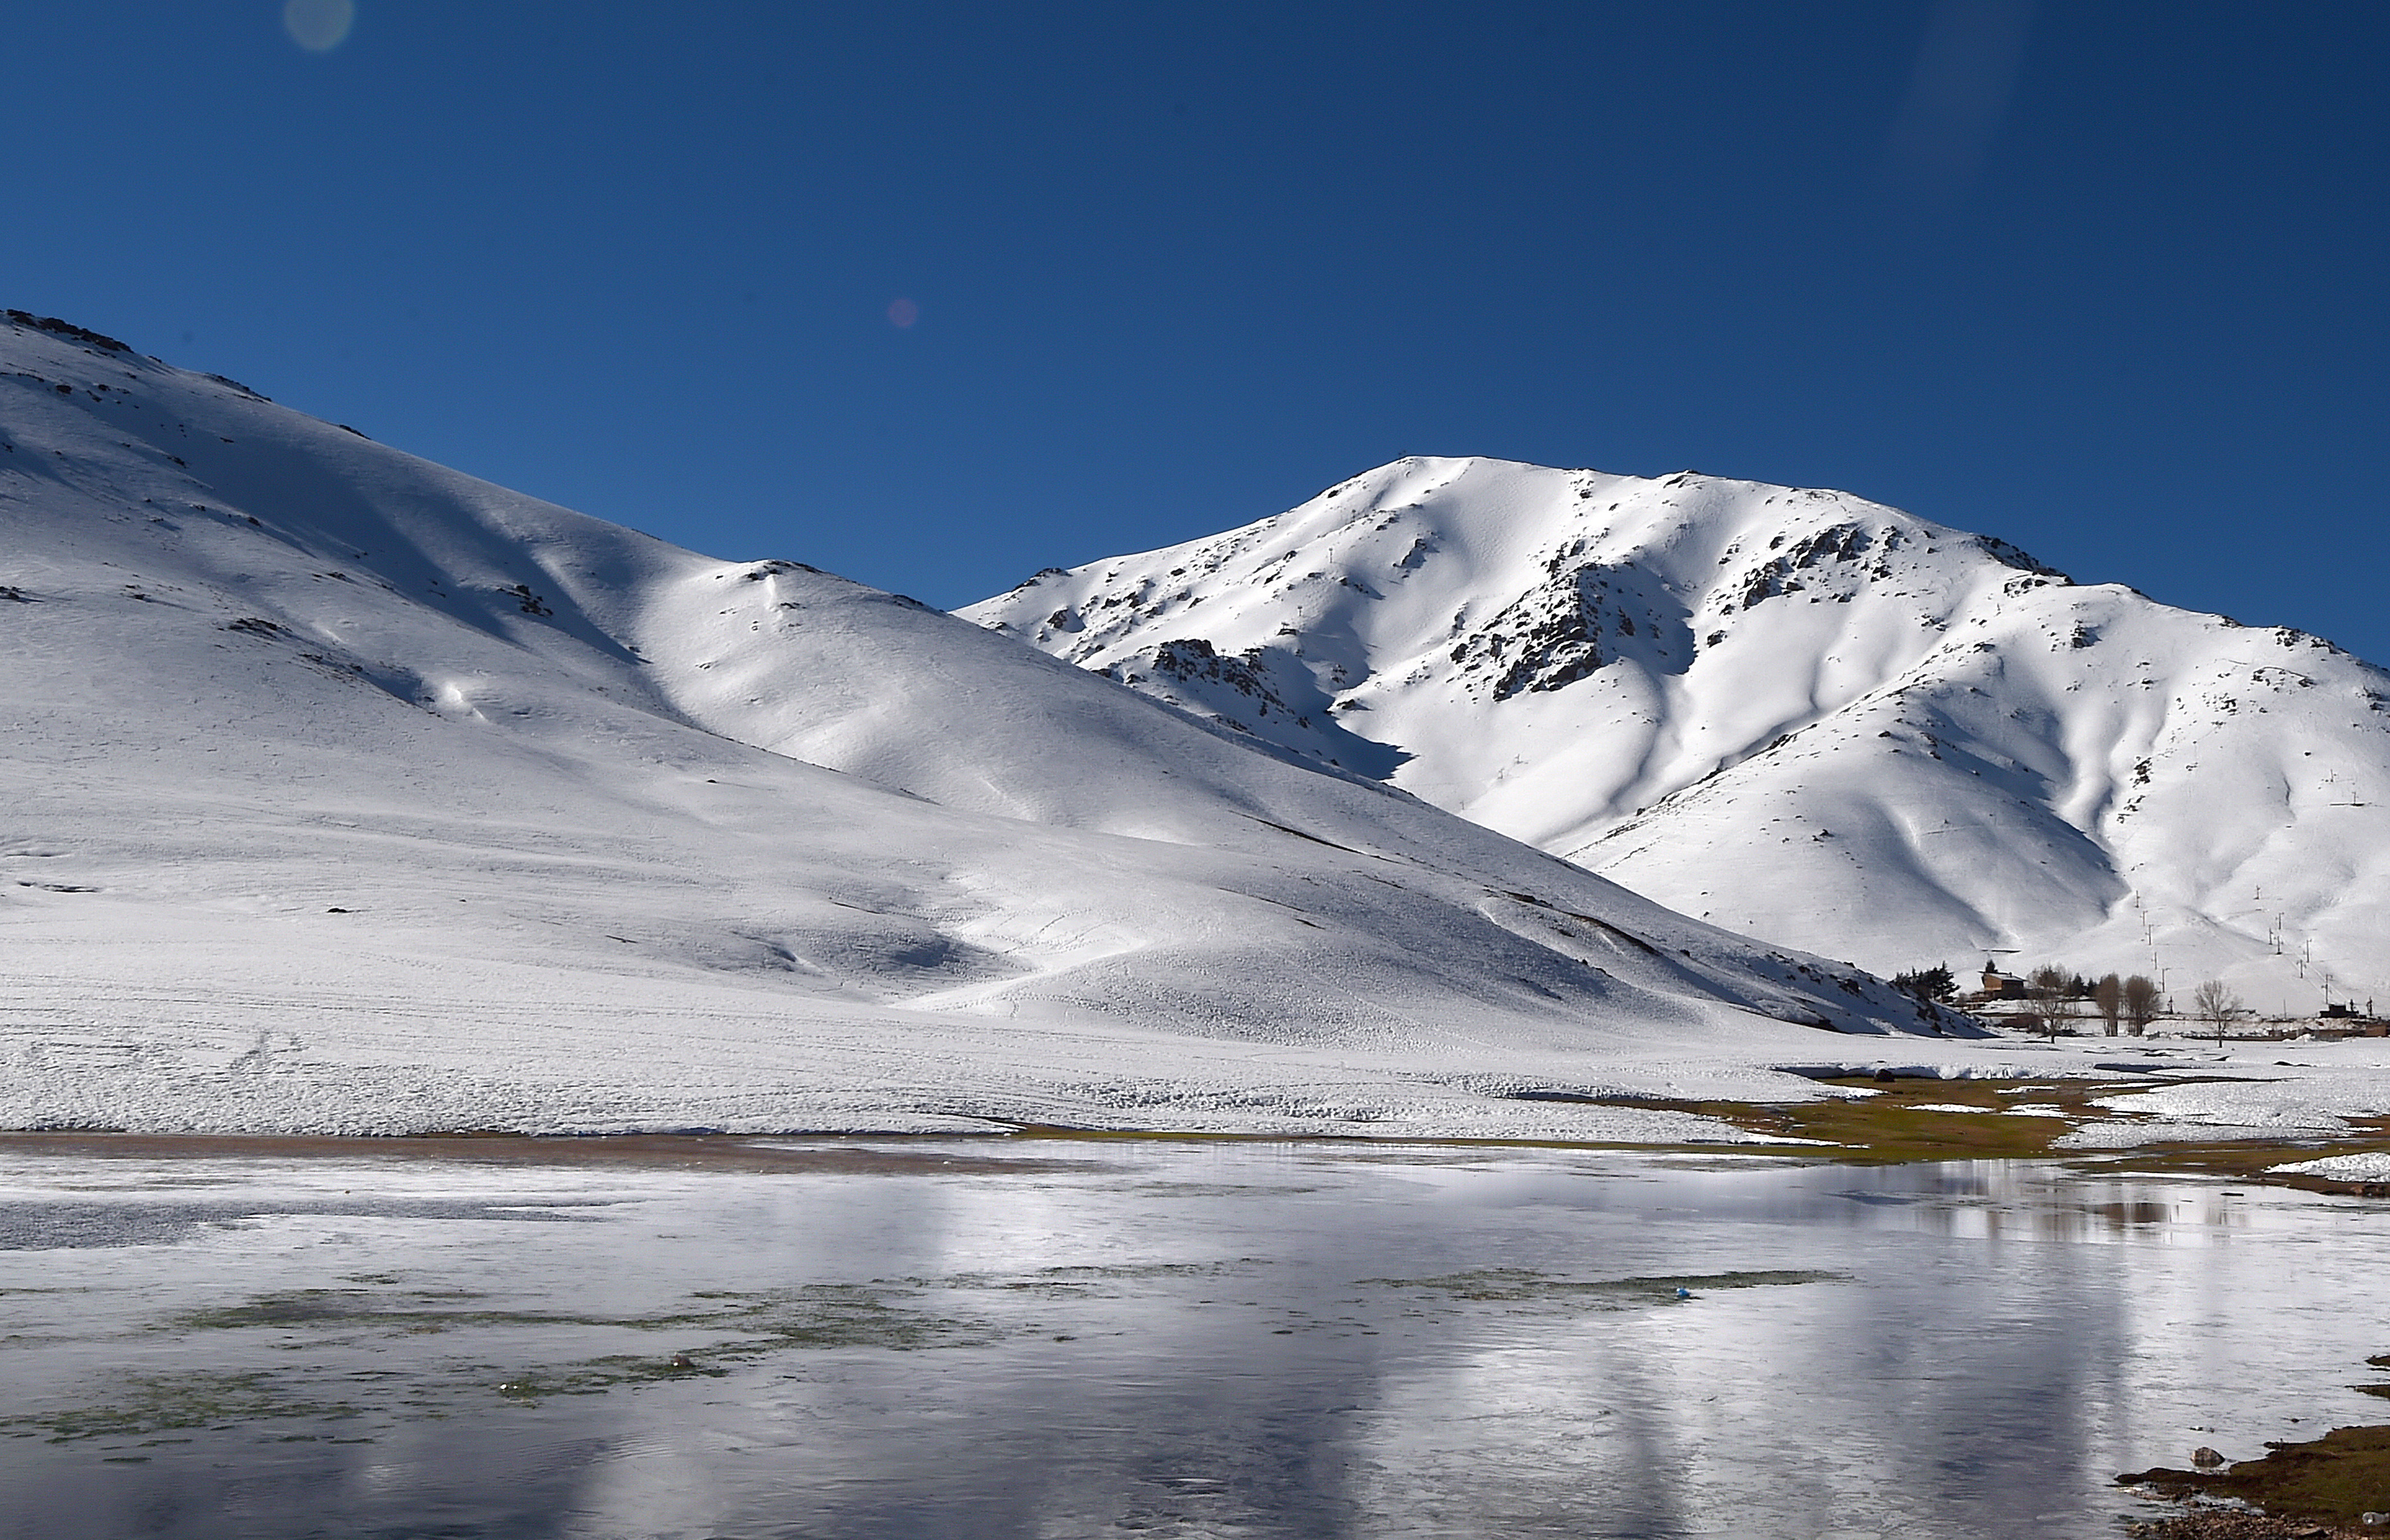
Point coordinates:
[(2330, 1488), (2237, 1524)]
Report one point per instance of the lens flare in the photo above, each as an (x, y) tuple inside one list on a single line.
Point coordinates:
[(318, 25), (903, 312)]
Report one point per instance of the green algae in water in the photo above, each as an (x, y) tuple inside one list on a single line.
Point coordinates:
[(303, 1308), (842, 1316), (828, 1315), (597, 1376), (814, 1315), (735, 1328), (1520, 1285), (157, 1404), (1079, 1282)]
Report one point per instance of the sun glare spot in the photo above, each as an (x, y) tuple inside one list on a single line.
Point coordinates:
[(318, 25), (900, 312)]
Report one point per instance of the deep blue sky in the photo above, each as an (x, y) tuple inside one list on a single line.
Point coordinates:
[(2105, 278)]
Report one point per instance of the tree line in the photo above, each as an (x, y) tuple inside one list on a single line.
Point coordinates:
[(2130, 1003)]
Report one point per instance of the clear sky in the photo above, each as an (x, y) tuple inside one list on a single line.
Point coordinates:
[(937, 294)]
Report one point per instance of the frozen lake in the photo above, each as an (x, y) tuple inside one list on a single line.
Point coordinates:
[(1056, 1339)]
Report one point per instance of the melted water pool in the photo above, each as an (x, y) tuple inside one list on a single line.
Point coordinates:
[(1071, 1338)]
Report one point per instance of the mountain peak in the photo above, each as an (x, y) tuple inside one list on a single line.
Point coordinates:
[(1802, 714)]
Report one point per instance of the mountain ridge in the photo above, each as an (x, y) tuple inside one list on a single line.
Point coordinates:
[(1675, 681), (349, 793)]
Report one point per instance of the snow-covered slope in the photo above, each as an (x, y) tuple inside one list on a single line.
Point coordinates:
[(1802, 715), (343, 790)]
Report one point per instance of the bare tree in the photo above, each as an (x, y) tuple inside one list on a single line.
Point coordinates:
[(2217, 1006), (2109, 996), (2048, 987), (2140, 1003)]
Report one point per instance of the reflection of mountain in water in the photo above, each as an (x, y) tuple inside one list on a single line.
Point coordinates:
[(1190, 1341)]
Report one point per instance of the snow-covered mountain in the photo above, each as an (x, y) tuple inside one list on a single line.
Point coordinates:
[(347, 791), (1796, 714)]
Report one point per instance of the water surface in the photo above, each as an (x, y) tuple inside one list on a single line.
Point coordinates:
[(1123, 1338)]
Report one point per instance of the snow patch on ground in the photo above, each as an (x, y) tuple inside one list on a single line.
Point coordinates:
[(2374, 1167)]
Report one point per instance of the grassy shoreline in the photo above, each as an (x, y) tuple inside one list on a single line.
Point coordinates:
[(1910, 1119), (2314, 1489), (1891, 1122)]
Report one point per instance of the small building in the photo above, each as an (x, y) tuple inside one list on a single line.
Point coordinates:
[(2002, 986)]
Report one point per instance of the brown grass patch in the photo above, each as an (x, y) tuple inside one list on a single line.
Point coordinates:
[(1899, 1122)]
